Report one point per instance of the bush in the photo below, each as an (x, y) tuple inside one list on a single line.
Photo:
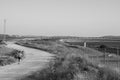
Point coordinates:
[(6, 60)]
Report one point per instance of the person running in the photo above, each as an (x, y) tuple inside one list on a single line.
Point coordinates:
[(19, 59), (19, 56)]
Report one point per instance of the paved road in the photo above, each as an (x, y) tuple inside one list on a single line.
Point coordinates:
[(35, 59)]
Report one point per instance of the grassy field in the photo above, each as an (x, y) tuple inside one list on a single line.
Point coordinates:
[(74, 63), (4, 58), (4, 50), (96, 44), (110, 46), (7, 55)]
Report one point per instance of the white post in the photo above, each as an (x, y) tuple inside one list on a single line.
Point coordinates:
[(117, 55), (85, 44)]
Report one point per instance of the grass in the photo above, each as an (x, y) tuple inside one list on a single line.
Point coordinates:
[(70, 63), (96, 44), (111, 46), (4, 50), (8, 55)]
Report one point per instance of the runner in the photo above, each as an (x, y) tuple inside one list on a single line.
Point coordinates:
[(19, 56)]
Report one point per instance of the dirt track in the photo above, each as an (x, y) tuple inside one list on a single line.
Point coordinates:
[(35, 59)]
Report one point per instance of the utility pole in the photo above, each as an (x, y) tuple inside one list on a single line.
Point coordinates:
[(4, 31)]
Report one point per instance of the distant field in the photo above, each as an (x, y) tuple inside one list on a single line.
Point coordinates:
[(111, 46)]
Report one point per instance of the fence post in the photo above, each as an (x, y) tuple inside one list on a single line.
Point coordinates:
[(104, 55), (85, 44), (117, 55)]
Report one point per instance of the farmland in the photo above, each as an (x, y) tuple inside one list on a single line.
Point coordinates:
[(109, 46)]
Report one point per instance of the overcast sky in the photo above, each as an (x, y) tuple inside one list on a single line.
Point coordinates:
[(61, 17)]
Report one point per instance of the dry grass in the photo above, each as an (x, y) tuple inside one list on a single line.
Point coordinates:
[(71, 63), (8, 55)]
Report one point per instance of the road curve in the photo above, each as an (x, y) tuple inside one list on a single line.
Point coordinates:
[(35, 60)]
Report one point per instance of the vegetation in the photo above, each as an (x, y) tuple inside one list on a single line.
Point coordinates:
[(70, 63), (8, 55), (109, 47)]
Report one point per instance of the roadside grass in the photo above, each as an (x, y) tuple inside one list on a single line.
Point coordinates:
[(4, 50), (70, 63), (8, 56), (63, 68)]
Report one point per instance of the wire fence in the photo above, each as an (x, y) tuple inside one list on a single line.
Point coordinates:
[(109, 50)]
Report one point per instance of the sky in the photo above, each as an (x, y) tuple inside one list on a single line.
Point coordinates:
[(89, 18)]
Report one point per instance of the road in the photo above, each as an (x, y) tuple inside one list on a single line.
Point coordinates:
[(35, 60)]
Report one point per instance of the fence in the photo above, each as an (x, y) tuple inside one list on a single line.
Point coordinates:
[(109, 50)]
